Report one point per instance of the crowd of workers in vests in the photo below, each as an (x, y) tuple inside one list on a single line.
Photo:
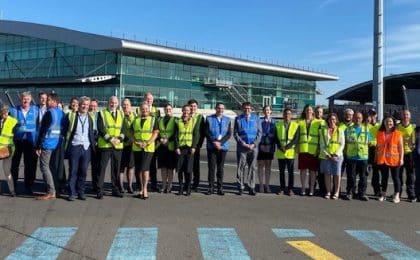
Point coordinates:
[(138, 141)]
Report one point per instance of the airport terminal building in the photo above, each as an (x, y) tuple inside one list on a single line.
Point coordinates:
[(39, 57)]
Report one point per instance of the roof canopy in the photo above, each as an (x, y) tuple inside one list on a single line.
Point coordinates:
[(100, 42), (362, 92)]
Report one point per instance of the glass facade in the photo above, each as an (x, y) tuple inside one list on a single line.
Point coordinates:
[(169, 81)]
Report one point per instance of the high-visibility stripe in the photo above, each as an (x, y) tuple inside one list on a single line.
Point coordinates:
[(312, 250), (44, 243), (291, 232), (384, 244), (134, 243), (221, 243)]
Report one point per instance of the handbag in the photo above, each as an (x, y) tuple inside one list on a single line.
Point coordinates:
[(5, 152)]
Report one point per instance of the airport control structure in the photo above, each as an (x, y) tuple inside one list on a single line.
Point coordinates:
[(36, 57)]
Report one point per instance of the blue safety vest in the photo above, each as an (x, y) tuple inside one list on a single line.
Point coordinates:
[(26, 127), (52, 136), (247, 130), (217, 130), (267, 135)]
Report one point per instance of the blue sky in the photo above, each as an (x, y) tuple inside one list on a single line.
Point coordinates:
[(333, 36)]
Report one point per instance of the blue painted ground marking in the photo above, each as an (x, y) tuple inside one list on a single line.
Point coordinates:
[(384, 244), (221, 244), (290, 232), (44, 243), (134, 243)]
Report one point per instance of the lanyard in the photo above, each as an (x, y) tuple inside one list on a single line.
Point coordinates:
[(82, 122), (25, 115)]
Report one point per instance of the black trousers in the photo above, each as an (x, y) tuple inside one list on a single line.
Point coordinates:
[(356, 168), (384, 169), (289, 165), (376, 177), (153, 172), (30, 160), (409, 172), (184, 167), (216, 161), (196, 168), (104, 156), (417, 169)]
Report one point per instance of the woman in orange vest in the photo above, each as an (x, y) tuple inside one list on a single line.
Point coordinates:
[(389, 156)]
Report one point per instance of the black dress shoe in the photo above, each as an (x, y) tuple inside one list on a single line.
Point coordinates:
[(210, 191), (99, 195), (252, 192), (28, 191), (70, 198), (82, 197), (240, 191), (117, 194), (180, 191), (220, 192)]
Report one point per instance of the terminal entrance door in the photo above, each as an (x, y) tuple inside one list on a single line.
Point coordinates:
[(267, 101)]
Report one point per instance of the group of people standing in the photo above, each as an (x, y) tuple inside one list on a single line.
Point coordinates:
[(139, 141), (359, 147)]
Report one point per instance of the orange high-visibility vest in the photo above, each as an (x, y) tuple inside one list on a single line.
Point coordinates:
[(387, 150)]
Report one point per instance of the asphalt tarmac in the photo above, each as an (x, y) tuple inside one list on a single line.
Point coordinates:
[(210, 227)]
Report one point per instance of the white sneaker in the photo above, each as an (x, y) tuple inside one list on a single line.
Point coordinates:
[(381, 198), (396, 198)]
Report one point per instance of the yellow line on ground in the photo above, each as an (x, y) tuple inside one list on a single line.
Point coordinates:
[(312, 250)]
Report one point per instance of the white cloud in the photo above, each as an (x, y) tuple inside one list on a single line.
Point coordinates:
[(400, 44), (326, 3)]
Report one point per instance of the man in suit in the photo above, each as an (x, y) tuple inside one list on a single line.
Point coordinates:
[(79, 147), (110, 145)]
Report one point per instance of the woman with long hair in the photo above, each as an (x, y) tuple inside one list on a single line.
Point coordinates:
[(266, 150), (332, 144), (308, 148), (389, 156)]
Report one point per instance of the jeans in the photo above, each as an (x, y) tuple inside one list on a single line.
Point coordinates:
[(5, 167)]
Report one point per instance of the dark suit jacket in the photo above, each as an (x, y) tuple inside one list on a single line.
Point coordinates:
[(91, 134)]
